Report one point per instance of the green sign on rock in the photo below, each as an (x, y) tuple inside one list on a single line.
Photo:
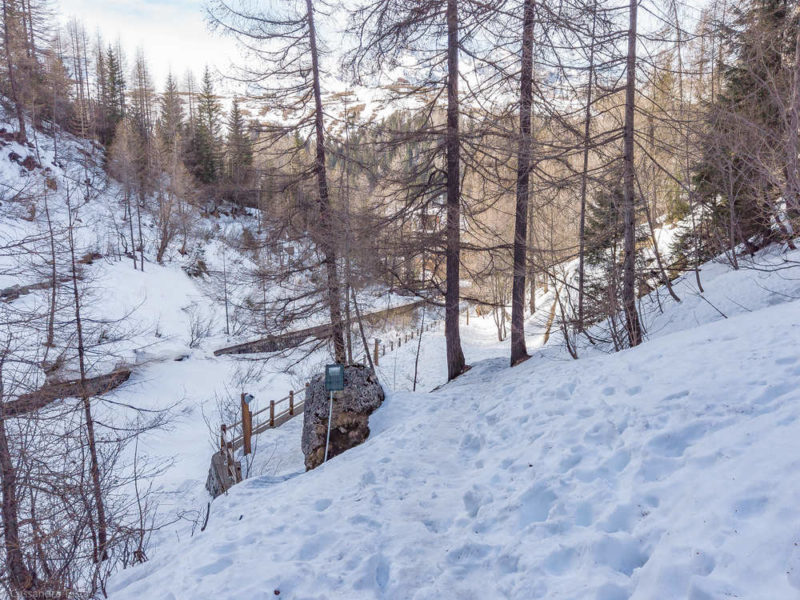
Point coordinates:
[(334, 378)]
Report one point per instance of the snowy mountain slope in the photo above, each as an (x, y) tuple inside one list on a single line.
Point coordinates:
[(659, 472)]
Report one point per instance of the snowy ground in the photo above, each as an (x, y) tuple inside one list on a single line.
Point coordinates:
[(659, 472)]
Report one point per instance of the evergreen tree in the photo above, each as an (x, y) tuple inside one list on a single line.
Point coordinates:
[(203, 153), (170, 121), (740, 178), (112, 89), (141, 109), (239, 149), (605, 231)]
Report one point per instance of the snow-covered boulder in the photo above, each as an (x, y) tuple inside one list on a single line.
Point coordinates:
[(362, 394)]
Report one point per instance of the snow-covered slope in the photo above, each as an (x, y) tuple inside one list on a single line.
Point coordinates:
[(665, 471)]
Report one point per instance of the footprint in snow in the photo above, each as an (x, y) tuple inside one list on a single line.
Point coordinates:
[(535, 504), (674, 443), (601, 433), (617, 461), (560, 561), (375, 574), (215, 567), (368, 522), (322, 504), (621, 553), (658, 468), (570, 461), (702, 563), (468, 558), (609, 591), (675, 396), (774, 391), (475, 498), (750, 507), (471, 444), (622, 519)]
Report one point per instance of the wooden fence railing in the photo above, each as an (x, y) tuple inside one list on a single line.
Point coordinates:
[(275, 414), (381, 347)]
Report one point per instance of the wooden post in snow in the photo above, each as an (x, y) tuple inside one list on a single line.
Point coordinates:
[(247, 426), (375, 352), (291, 403), (272, 413)]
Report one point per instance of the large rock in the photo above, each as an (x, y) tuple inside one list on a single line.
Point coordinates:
[(351, 410)]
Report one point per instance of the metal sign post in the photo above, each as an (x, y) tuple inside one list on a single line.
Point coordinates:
[(334, 382)]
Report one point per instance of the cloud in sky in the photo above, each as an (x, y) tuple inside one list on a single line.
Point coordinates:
[(172, 33)]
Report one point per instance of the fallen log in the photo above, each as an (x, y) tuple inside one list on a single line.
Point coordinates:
[(93, 386), (292, 339)]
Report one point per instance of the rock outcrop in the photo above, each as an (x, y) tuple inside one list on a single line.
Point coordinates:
[(352, 407), (219, 478)]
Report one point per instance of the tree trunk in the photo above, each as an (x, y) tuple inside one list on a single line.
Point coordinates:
[(793, 171), (51, 316), (139, 205), (326, 241), (587, 123), (20, 578), (12, 80), (687, 163), (130, 225), (632, 324), (455, 355), (348, 271), (518, 350), (94, 467)]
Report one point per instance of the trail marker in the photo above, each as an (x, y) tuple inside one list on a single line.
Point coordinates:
[(334, 382)]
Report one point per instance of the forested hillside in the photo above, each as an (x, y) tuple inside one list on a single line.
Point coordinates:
[(501, 201)]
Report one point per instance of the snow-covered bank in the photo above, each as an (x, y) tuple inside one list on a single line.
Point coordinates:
[(659, 472)]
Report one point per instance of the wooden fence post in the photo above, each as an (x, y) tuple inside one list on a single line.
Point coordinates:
[(391, 345), (467, 311), (272, 413), (291, 403), (375, 352), (247, 426), (222, 438)]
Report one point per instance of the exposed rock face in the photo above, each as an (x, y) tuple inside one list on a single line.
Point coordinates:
[(351, 409), (219, 479)]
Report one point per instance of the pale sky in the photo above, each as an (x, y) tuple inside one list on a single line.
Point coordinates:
[(173, 33)]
